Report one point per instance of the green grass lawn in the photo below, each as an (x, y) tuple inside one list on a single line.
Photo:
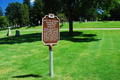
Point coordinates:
[(88, 55), (98, 24)]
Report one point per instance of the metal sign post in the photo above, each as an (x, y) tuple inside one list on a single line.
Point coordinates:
[(51, 60), (50, 36)]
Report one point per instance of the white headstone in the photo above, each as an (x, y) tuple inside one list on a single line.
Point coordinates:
[(85, 20), (9, 32)]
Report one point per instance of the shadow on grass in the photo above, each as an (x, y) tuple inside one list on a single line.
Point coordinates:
[(77, 37), (25, 76), (61, 25), (23, 38), (1, 29)]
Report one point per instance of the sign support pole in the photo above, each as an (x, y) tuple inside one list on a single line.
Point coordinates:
[(51, 60), (50, 35)]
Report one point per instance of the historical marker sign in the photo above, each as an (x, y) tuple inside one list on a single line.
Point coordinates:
[(50, 29)]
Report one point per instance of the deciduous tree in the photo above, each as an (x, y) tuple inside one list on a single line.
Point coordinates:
[(3, 21), (12, 12), (37, 11), (27, 2), (24, 14), (51, 6), (115, 12), (1, 12), (72, 7), (62, 18)]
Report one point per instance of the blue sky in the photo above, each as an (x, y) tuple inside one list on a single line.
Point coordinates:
[(4, 3)]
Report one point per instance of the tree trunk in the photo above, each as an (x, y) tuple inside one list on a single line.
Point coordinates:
[(70, 21)]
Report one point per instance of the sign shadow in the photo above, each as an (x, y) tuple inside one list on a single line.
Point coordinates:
[(26, 76)]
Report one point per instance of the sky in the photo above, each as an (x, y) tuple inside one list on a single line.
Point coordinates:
[(4, 3)]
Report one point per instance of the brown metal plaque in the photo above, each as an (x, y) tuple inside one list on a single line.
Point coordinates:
[(50, 30)]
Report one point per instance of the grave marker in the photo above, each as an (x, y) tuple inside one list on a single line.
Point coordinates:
[(9, 32), (17, 33), (39, 22)]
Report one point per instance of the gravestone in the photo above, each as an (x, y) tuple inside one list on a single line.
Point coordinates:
[(39, 22), (80, 18), (17, 33), (95, 20), (9, 32), (85, 20)]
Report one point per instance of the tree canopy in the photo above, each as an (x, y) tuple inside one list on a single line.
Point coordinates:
[(73, 9), (12, 12), (38, 11), (1, 12), (27, 2), (82, 8), (24, 14), (3, 21), (17, 13), (51, 6)]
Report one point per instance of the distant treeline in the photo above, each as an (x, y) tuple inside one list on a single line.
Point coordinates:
[(24, 14)]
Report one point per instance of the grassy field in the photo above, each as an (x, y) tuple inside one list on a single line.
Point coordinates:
[(99, 24), (88, 55)]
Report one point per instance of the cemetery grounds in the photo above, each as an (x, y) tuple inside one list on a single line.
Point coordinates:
[(88, 55)]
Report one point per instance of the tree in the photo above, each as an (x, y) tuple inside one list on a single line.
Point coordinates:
[(37, 11), (115, 12), (27, 2), (24, 14), (51, 6), (72, 7), (107, 6), (12, 12), (62, 18), (1, 13), (3, 21), (17, 13)]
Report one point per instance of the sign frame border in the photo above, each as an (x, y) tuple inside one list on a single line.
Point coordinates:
[(42, 30)]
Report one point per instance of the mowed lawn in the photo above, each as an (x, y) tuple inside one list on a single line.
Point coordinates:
[(88, 55), (98, 24)]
